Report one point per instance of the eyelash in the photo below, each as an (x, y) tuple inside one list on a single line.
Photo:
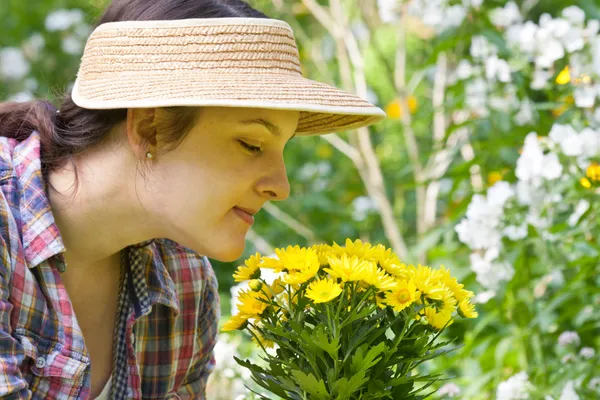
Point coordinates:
[(250, 148)]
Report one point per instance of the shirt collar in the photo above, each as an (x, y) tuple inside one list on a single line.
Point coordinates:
[(41, 237)]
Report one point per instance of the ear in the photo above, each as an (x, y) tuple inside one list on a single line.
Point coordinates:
[(141, 130)]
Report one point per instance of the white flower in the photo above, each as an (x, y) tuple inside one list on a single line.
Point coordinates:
[(481, 48), (33, 46), (489, 274), (496, 68), (590, 140), (540, 78), (362, 206), (388, 10), (464, 69), (472, 3), (573, 40), (574, 14), (21, 97), (72, 45), (506, 16), (514, 232), (580, 209), (533, 165), (517, 387), (449, 389), (568, 392), (483, 297), (587, 352), (62, 19), (585, 96), (569, 141), (568, 338), (499, 194), (567, 358), (13, 64), (551, 51)]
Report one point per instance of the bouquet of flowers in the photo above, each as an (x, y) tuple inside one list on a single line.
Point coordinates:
[(348, 322)]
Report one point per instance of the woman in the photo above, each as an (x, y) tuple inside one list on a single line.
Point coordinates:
[(171, 140)]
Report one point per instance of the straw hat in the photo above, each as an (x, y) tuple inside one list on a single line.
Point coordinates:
[(235, 62)]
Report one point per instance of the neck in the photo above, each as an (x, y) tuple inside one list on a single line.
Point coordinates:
[(104, 214)]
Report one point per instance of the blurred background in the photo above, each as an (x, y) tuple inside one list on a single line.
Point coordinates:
[(487, 164)]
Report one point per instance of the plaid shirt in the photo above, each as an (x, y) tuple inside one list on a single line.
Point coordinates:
[(167, 315)]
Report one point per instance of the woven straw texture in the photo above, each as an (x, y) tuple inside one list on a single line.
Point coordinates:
[(233, 62)]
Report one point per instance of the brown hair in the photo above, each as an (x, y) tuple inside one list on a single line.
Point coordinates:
[(74, 129)]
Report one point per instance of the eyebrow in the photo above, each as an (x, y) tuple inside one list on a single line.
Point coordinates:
[(274, 129)]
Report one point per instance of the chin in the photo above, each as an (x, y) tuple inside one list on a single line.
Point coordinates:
[(227, 254)]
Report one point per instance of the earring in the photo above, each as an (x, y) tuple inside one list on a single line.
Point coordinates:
[(149, 155)]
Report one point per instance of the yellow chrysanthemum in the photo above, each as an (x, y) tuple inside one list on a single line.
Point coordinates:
[(323, 290), (251, 269), (438, 320), (427, 282), (389, 261), (466, 309), (251, 303), (323, 251), (235, 322), (377, 277), (585, 182), (349, 269), (402, 296), (355, 248)]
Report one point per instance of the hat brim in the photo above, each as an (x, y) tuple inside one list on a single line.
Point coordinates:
[(323, 108)]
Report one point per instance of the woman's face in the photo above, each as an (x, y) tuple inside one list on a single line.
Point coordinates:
[(231, 158)]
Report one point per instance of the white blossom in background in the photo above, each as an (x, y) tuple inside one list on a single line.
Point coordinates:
[(21, 97), (509, 15), (525, 114), (517, 387), (587, 352), (449, 389), (594, 383), (483, 297), (362, 206), (568, 392), (61, 20), (388, 10), (481, 48), (72, 45), (568, 338), (33, 46), (533, 166), (13, 64), (488, 273), (438, 14), (497, 68)]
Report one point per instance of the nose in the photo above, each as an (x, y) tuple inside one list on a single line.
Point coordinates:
[(275, 185)]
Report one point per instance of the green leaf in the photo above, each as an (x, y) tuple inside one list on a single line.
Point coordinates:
[(309, 384)]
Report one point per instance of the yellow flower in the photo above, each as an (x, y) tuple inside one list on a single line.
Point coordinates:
[(494, 177), (349, 269), (451, 283), (251, 269), (585, 182), (323, 251), (402, 296), (323, 290), (394, 108), (251, 303), (426, 282), (438, 319), (378, 278), (593, 172), (357, 248), (255, 285), (564, 76), (466, 309), (235, 322)]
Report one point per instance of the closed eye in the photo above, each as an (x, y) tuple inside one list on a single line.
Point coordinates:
[(250, 148)]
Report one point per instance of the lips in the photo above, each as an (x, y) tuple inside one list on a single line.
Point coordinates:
[(244, 215)]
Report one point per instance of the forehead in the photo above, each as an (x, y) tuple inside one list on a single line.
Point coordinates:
[(283, 122)]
